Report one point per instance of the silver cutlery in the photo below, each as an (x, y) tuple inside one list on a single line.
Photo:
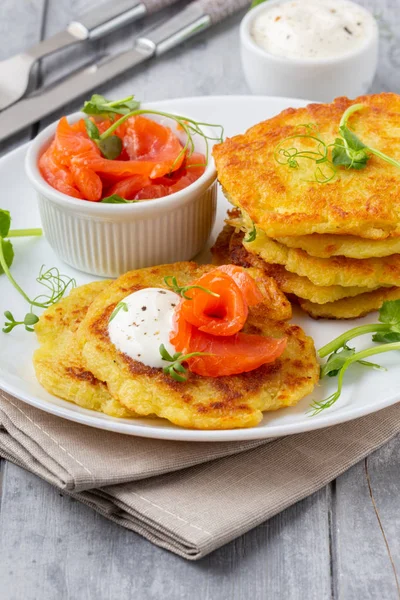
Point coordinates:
[(196, 17), (15, 71)]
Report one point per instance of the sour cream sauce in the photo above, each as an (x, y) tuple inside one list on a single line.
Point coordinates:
[(312, 28), (144, 322)]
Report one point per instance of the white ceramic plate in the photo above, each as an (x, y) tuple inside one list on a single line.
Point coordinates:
[(365, 391)]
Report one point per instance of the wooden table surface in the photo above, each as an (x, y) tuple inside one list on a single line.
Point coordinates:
[(341, 543)]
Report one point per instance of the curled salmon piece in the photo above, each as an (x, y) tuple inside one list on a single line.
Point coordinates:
[(56, 174), (245, 282), (221, 314), (70, 143), (146, 140), (212, 325), (87, 182), (128, 188), (118, 169)]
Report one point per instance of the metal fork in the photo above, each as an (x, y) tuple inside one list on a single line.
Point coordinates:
[(15, 71)]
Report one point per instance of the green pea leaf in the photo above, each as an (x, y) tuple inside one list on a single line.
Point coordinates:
[(115, 199), (99, 105), (348, 157), (336, 361), (386, 338), (251, 235), (5, 222), (30, 319), (353, 141), (165, 355), (111, 147), (92, 129), (120, 306), (390, 312), (8, 252)]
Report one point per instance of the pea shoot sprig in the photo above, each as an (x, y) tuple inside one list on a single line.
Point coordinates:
[(55, 284), (172, 283), (175, 368), (120, 306), (110, 144), (347, 150), (324, 171), (341, 356)]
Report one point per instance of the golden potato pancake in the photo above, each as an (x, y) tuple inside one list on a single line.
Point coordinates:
[(351, 308), (285, 201), (201, 402), (327, 245), (58, 362), (229, 249), (368, 273)]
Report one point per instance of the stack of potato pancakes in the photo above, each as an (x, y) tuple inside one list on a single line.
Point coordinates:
[(329, 235)]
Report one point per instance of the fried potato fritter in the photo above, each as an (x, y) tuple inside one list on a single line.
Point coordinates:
[(351, 308), (229, 248), (328, 245), (285, 201), (201, 402), (368, 273), (58, 362)]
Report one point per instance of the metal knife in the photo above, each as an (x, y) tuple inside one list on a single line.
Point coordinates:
[(196, 17), (15, 71)]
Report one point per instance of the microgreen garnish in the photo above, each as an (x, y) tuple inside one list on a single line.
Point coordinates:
[(55, 283), (337, 359), (110, 147), (115, 199), (251, 235), (176, 369), (349, 150), (29, 320), (172, 282), (317, 407), (340, 356), (256, 3), (319, 154), (120, 306), (98, 105)]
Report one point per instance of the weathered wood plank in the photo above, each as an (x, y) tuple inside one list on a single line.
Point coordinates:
[(54, 547), (20, 26), (362, 566)]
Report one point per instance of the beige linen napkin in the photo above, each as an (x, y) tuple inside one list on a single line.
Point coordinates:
[(190, 498)]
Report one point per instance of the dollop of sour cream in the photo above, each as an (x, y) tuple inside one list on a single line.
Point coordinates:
[(142, 323), (312, 28)]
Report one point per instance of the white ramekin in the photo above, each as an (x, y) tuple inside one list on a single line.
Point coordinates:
[(110, 239), (320, 79)]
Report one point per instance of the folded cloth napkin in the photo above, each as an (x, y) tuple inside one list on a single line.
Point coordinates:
[(190, 498)]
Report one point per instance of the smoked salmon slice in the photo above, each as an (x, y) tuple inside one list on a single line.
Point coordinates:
[(222, 315), (152, 163), (212, 326)]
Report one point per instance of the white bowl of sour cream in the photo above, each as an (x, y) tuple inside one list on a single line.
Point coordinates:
[(313, 49)]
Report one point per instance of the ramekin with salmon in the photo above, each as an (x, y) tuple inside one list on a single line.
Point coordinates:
[(121, 186)]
